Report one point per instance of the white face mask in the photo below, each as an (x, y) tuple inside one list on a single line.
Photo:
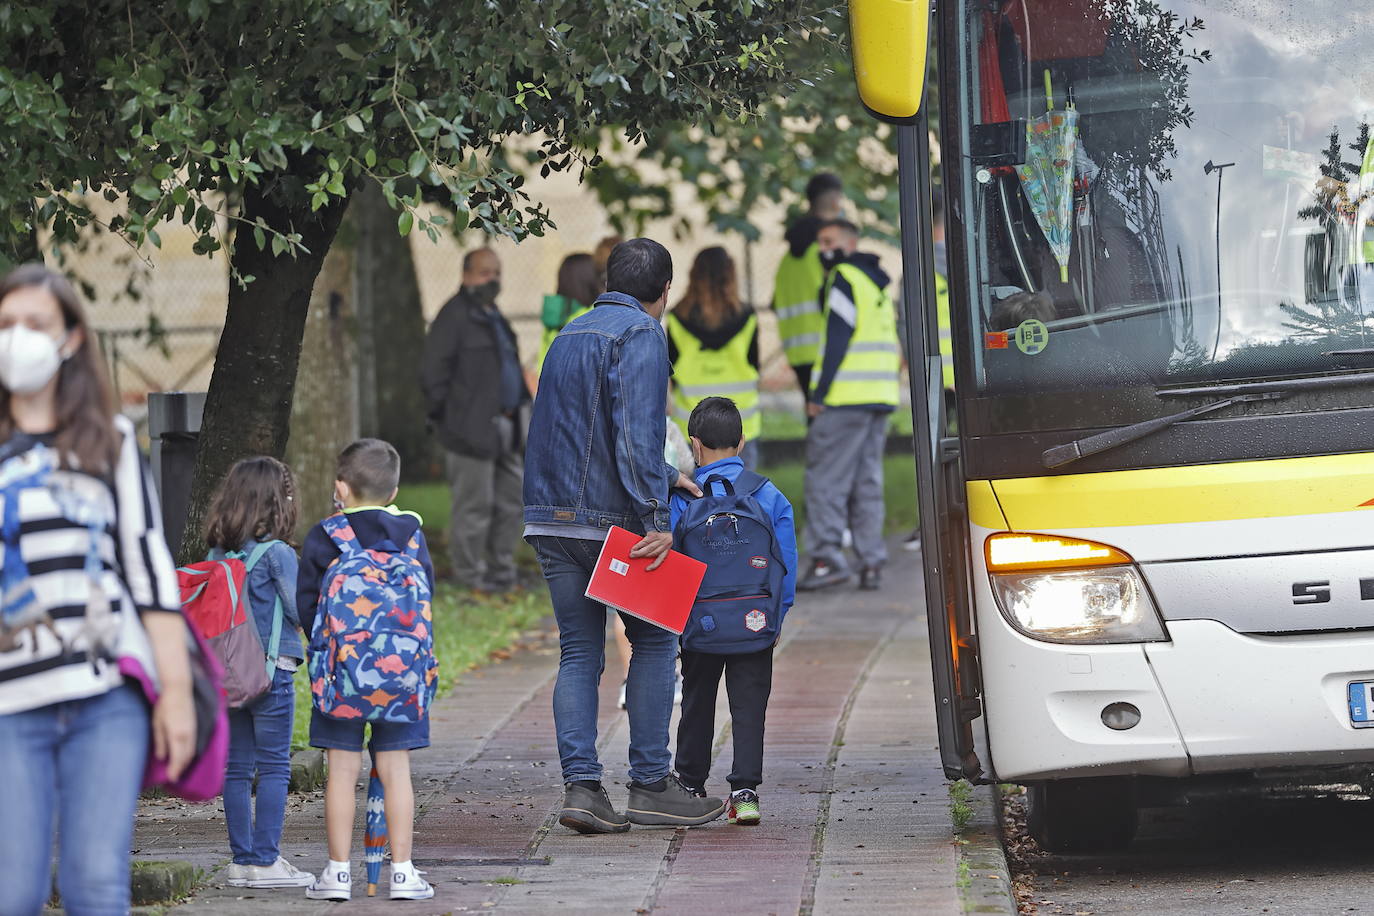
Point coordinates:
[(28, 359)]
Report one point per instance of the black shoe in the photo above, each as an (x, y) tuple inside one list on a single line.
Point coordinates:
[(823, 575), (674, 805), (588, 810), (871, 578)]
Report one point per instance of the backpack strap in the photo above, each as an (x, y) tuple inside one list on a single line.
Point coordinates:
[(748, 482), (717, 478), (341, 533)]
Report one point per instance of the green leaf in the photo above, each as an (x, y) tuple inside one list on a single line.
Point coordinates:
[(346, 51), (404, 222), (162, 171), (146, 188), (418, 163), (354, 123), (370, 157)]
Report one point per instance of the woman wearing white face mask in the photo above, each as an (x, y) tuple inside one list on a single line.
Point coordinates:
[(84, 564)]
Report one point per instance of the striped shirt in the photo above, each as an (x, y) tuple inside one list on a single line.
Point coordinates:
[(70, 658)]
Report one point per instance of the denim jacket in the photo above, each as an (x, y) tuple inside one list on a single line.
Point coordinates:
[(274, 577), (594, 456)]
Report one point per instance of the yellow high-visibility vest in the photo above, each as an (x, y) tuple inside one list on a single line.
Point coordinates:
[(946, 337), (796, 302), (700, 373), (870, 370), (546, 340)]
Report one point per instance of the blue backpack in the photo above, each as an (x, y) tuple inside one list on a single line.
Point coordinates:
[(739, 605), (372, 652)]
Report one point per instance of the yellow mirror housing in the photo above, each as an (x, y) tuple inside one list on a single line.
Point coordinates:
[(888, 40)]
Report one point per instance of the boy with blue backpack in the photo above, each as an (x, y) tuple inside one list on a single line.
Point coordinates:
[(742, 529), (364, 594)]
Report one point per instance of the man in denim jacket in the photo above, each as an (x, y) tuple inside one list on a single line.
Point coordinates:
[(594, 458)]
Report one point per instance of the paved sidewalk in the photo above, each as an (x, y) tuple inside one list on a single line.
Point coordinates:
[(856, 811)]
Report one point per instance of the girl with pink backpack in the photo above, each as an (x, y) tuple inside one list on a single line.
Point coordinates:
[(86, 585), (251, 518)]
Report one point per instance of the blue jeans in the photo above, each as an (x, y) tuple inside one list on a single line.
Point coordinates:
[(76, 766), (259, 745), (567, 564)]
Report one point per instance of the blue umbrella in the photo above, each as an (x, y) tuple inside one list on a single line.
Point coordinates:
[(374, 832)]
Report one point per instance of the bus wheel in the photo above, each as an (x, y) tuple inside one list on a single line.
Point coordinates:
[(1083, 815)]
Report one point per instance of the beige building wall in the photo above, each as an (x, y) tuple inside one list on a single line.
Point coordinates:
[(186, 293)]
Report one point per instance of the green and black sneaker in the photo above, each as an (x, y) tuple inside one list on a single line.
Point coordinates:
[(744, 808)]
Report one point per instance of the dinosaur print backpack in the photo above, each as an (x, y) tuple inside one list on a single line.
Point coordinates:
[(372, 649)]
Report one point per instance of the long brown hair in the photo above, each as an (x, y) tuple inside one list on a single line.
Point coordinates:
[(85, 409), (579, 280), (256, 500), (712, 296)]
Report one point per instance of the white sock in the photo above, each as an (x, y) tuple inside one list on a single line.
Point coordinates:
[(336, 867), (406, 868)]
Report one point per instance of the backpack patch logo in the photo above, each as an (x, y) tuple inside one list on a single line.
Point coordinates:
[(755, 621), (758, 562)]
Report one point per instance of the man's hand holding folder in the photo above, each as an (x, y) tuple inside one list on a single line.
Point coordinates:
[(657, 543)]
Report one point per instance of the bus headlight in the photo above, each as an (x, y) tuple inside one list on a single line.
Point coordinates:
[(1105, 604)]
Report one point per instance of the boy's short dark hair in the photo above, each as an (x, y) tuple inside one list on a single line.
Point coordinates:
[(840, 223), (716, 423), (641, 268), (371, 468), (822, 183)]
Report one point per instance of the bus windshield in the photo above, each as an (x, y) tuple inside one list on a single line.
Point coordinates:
[(1164, 192)]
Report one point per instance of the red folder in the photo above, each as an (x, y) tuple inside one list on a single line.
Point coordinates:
[(663, 597)]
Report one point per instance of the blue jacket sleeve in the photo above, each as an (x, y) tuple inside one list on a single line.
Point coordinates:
[(784, 529), (285, 569), (637, 383), (317, 553), (840, 318)]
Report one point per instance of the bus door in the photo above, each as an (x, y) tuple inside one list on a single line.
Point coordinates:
[(892, 86)]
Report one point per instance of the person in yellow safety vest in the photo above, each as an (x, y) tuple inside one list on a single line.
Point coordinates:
[(798, 280), (937, 226), (713, 344), (579, 283), (854, 391)]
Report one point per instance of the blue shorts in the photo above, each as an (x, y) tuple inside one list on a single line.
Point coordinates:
[(347, 734)]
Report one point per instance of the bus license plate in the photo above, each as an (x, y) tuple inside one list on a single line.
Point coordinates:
[(1361, 695)]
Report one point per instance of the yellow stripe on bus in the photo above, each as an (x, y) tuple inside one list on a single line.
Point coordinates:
[(1159, 496)]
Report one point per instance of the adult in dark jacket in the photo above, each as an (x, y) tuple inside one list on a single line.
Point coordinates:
[(476, 396)]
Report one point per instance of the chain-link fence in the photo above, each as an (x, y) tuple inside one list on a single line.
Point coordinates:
[(158, 315)]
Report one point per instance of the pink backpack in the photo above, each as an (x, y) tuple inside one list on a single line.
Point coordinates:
[(203, 779), (214, 597)]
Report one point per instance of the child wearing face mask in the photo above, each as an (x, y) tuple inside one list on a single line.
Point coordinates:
[(368, 474), (86, 581)]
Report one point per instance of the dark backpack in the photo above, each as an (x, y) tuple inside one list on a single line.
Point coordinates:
[(739, 605)]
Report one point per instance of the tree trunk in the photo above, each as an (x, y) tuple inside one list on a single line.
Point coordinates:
[(248, 406), (324, 413), (391, 326)]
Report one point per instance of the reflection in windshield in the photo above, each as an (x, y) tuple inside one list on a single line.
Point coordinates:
[(1211, 204)]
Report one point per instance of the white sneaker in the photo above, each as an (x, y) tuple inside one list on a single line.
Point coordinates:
[(410, 887), (280, 873), (331, 886), (236, 875)]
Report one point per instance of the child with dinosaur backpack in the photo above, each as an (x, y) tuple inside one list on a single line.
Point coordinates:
[(364, 592), (741, 527), (251, 518)]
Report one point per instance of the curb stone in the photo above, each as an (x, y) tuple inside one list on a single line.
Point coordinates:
[(161, 882), (983, 860), (307, 771)]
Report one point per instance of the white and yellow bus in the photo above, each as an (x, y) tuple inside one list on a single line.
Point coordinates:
[(1149, 528)]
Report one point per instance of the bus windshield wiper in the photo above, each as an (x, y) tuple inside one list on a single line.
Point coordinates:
[(1070, 452)]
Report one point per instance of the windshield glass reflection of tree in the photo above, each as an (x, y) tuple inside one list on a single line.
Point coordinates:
[(1222, 187)]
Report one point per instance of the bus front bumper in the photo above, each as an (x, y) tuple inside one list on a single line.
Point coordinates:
[(1211, 700)]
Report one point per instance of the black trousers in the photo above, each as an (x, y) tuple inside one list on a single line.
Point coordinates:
[(748, 681)]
